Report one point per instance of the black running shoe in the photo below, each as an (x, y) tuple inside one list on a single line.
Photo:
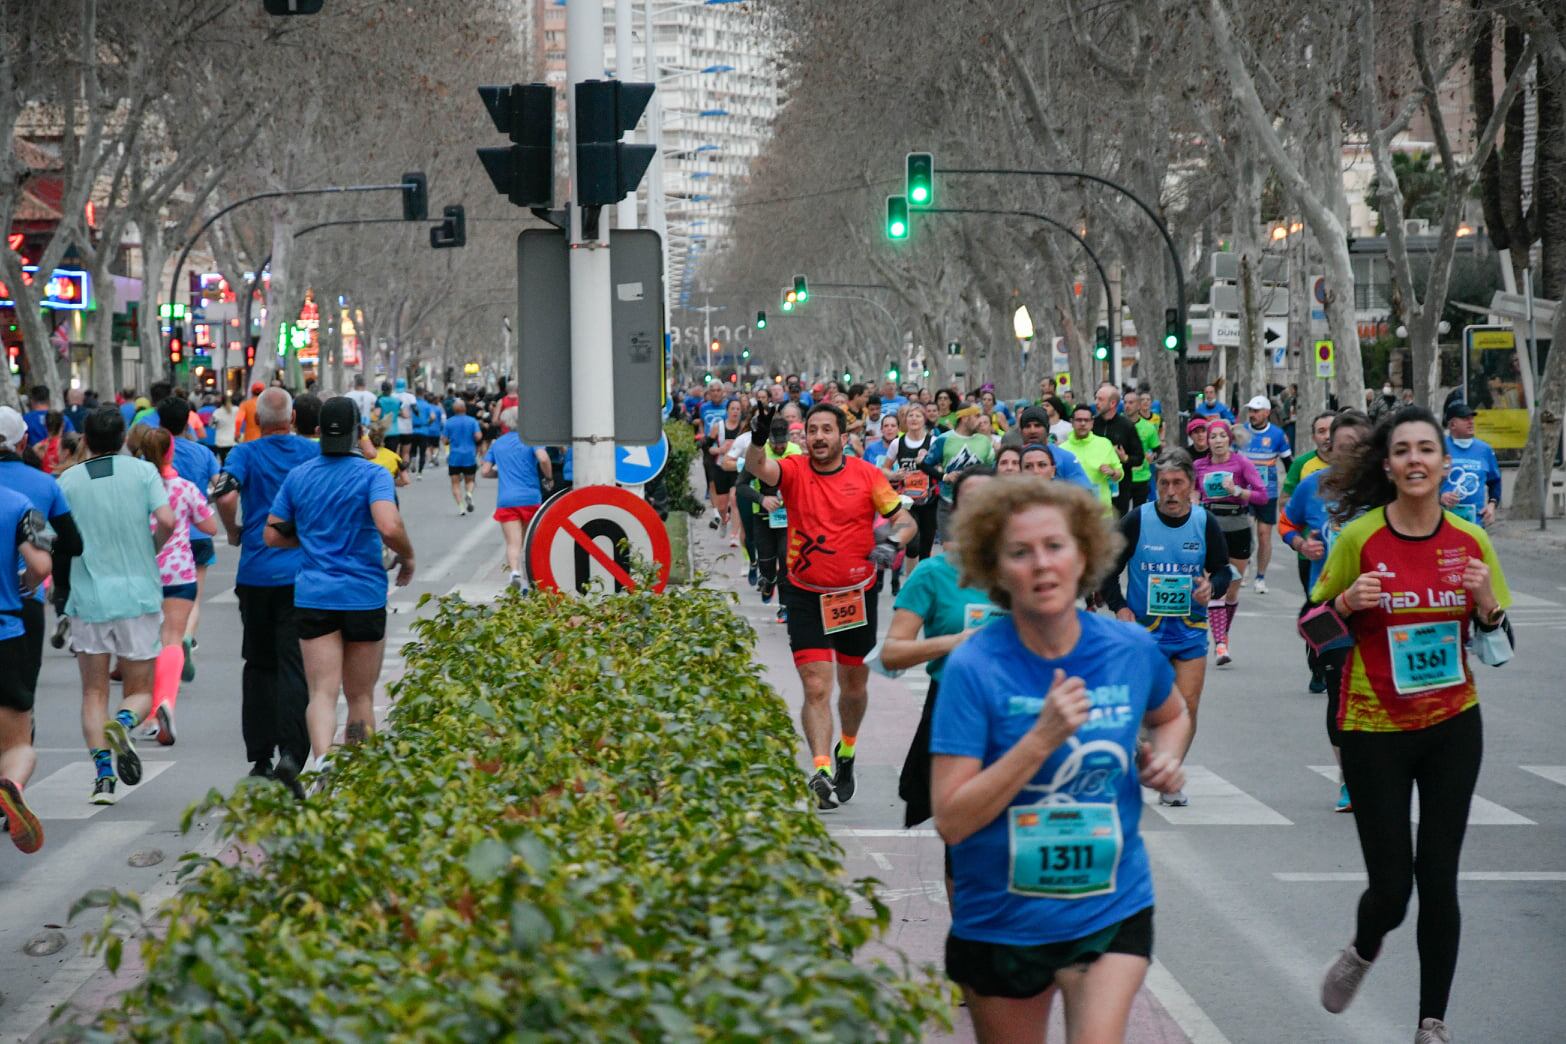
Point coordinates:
[(821, 787), (715, 523), (287, 773), (62, 631), (103, 791), (262, 769), (127, 763), (842, 776)]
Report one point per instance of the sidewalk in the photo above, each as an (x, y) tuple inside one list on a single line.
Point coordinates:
[(907, 863)]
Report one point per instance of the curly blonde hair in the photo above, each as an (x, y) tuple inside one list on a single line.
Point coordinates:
[(981, 521)]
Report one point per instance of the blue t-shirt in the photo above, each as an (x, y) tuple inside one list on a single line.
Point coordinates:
[(13, 506), (459, 431), (391, 413), (991, 694), (1309, 511), (517, 466), (932, 592), (712, 412), (128, 411), (328, 500), (1475, 476), (874, 451), (1069, 469), (893, 404), (1266, 448), (41, 490), (1217, 409), (37, 430), (260, 466), (195, 464)]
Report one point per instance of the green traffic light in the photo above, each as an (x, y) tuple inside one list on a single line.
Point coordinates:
[(848, 378), (1100, 352), (788, 306), (897, 217), (1171, 341), (761, 320), (801, 291), (1171, 329), (920, 185)]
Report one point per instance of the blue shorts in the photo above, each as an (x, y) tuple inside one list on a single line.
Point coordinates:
[(1178, 640), (1266, 514), (185, 591), (204, 552)]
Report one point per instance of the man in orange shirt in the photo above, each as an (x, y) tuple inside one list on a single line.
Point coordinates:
[(245, 427)]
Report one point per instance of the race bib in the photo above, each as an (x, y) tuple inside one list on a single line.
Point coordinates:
[(778, 519), (916, 484), (1425, 657), (977, 614), (1169, 594), (843, 611), (1213, 484), (1065, 851)]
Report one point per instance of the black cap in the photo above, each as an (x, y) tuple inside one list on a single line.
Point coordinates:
[(1457, 409), (339, 426)]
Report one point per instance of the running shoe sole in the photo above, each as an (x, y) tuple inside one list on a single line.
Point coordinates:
[(103, 796), (1175, 800), (127, 764), (62, 632), (165, 726), (287, 773), (25, 829), (821, 787), (187, 673)]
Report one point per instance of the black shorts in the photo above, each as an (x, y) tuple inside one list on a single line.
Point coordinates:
[(394, 443), (807, 637), (1020, 972), (1241, 542), (462, 469), (204, 552), (21, 658), (724, 481), (356, 625), (1267, 513)]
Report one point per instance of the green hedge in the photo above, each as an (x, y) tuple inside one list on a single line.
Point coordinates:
[(682, 451), (586, 824)]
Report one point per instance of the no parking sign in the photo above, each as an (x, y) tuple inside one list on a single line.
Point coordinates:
[(592, 535)]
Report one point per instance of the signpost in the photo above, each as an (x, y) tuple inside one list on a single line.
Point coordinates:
[(593, 535), (639, 465), (1497, 386), (1326, 363)]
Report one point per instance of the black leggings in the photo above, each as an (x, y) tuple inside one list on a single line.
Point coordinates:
[(924, 515), (1381, 770), (748, 504)]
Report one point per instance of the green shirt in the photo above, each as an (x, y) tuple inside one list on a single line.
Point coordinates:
[(932, 591), (1091, 452), (961, 452), (1148, 431), (116, 576), (1296, 472)]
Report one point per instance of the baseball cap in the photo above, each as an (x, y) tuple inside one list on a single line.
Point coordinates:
[(1260, 402), (1456, 409), (1194, 423), (13, 429), (257, 388), (339, 426)]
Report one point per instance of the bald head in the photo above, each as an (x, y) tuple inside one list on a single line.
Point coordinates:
[(458, 406), (274, 411)]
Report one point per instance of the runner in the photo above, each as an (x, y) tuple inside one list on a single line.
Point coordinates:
[(177, 573), (1417, 586), (364, 399), (1039, 795), (1033, 428), (1137, 410), (830, 585), (273, 693), (1121, 431), (522, 470), (713, 409), (1266, 446), (721, 434), (955, 451), (1472, 489), (388, 414), (1312, 532), (1196, 435), (462, 436), (1229, 486), (1208, 406), (771, 520), (197, 465), (245, 427), (222, 427), (1008, 460), (888, 430), (902, 465), (337, 509), (1307, 463), (116, 593), (25, 530), (1100, 458), (1179, 563)]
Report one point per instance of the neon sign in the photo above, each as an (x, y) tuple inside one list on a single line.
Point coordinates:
[(67, 289)]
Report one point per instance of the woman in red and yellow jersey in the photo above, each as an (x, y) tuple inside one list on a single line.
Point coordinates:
[(1419, 588)]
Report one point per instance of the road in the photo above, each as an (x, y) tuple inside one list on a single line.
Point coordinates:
[(1258, 878), (90, 846)]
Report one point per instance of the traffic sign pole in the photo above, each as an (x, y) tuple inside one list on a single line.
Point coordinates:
[(592, 330)]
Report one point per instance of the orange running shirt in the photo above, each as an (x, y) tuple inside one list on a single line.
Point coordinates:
[(831, 521)]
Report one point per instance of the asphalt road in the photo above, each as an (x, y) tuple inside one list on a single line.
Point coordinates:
[(91, 846)]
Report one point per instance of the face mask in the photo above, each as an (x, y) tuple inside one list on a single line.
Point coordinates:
[(1463, 443), (1386, 389)]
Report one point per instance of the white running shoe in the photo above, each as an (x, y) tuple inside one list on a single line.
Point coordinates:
[(1343, 979), (1175, 800), (1432, 1031), (1261, 585)]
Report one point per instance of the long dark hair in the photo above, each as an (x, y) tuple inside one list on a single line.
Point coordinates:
[(1361, 482)]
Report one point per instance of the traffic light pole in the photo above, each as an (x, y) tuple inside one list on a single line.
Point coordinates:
[(592, 332), (1163, 230), (892, 322)]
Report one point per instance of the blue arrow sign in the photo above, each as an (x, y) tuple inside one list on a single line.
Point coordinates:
[(639, 465)]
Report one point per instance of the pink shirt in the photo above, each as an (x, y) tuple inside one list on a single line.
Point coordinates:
[(176, 562), (1253, 489)]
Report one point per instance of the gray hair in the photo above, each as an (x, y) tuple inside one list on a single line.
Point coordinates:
[(1173, 459), (274, 408)]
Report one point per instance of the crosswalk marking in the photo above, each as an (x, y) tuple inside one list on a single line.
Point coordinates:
[(877, 832), (1215, 802), (1553, 773), (63, 793), (1481, 812), (1543, 876)]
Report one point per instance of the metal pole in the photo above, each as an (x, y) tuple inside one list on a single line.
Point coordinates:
[(1538, 414), (657, 211), (592, 333), (625, 210)]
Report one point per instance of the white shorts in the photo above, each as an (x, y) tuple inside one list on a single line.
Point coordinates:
[(133, 638)]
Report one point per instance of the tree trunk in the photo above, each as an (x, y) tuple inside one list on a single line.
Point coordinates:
[(277, 293), (149, 324), (104, 372), (1547, 422)]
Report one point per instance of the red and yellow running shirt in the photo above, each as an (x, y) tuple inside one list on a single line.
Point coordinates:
[(1408, 669), (831, 520)]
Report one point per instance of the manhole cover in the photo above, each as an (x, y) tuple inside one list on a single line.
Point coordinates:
[(45, 944), (147, 857)]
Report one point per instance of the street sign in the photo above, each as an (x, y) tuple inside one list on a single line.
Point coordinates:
[(1226, 331), (639, 465), (1325, 362), (593, 535), (1062, 383), (544, 336), (1226, 300)]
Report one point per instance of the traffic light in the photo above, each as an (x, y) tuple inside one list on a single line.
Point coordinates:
[(292, 7), (451, 232), (415, 196), (715, 345), (920, 185), (897, 217), (706, 378), (1173, 335), (761, 320), (848, 378), (788, 303), (177, 346), (523, 172), (891, 373), (791, 296), (801, 291), (250, 353), (606, 170), (744, 353), (1101, 344)]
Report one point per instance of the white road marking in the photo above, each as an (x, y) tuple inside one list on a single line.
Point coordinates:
[(1215, 802), (1553, 773), (229, 597), (1522, 600), (877, 832), (63, 793), (1464, 875), (880, 860), (1182, 1007), (1481, 812)]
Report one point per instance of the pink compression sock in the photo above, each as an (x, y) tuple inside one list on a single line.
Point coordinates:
[(165, 677)]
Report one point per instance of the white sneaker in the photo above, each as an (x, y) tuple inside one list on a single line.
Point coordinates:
[(1175, 800), (1433, 1031), (1342, 980), (1261, 585)]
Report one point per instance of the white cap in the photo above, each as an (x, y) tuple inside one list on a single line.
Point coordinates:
[(13, 429), (1261, 402)]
